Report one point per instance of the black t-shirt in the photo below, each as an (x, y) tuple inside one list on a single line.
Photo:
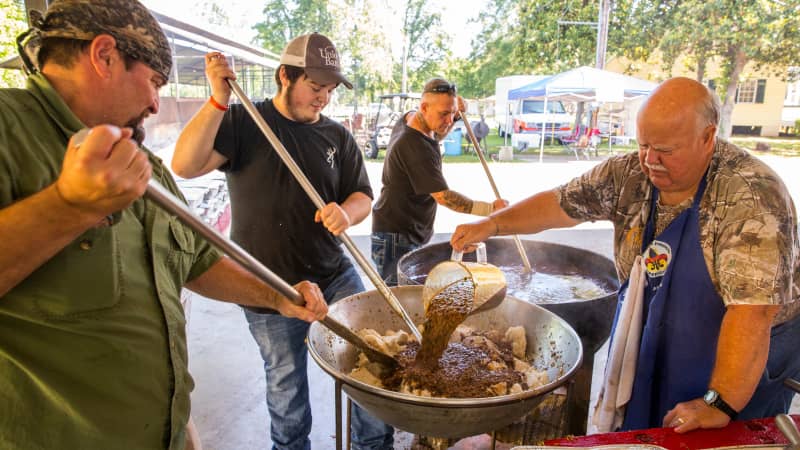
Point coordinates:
[(412, 171), (273, 218)]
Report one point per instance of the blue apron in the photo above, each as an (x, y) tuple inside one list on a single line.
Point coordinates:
[(682, 317)]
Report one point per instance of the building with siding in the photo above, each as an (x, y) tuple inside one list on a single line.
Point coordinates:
[(760, 96)]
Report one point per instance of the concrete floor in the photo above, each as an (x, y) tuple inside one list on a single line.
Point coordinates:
[(228, 400)]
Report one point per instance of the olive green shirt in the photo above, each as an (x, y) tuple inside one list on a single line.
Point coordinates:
[(748, 223), (92, 343)]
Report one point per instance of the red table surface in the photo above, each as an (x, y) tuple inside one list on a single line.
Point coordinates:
[(751, 432)]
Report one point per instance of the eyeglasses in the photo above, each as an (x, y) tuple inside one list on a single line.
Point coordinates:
[(442, 89)]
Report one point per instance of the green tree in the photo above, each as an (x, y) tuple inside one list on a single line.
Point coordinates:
[(363, 48), (491, 55), (426, 45), (284, 20), (12, 23), (546, 43), (733, 33), (355, 28), (526, 37)]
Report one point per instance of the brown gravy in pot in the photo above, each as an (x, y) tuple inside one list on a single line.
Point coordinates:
[(446, 311), (465, 369)]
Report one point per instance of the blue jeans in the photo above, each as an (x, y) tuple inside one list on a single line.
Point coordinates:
[(387, 249), (281, 341)]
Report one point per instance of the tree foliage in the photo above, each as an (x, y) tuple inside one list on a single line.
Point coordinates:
[(12, 23), (361, 31), (284, 20), (428, 44), (542, 37), (549, 45), (491, 54), (730, 32), (211, 12), (525, 37), (364, 48)]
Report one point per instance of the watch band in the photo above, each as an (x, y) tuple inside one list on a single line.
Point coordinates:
[(721, 404)]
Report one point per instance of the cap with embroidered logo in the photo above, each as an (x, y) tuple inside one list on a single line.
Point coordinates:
[(316, 54)]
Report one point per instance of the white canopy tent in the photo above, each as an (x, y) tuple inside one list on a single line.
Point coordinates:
[(584, 84)]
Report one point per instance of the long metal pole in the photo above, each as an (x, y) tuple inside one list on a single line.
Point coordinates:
[(476, 144), (319, 203), (163, 198), (602, 34), (541, 143)]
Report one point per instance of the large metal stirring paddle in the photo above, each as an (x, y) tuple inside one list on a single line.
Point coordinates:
[(163, 198), (520, 248)]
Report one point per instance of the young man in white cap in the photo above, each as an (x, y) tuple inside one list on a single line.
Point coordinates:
[(274, 219)]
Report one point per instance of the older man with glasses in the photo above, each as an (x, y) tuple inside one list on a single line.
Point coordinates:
[(413, 183)]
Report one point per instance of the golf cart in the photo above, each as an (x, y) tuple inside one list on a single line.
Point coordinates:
[(381, 119)]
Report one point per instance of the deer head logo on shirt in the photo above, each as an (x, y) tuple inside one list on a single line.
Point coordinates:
[(331, 153)]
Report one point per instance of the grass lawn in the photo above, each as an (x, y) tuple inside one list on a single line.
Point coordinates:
[(494, 142), (777, 146)]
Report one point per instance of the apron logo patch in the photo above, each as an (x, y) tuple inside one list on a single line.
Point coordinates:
[(657, 258)]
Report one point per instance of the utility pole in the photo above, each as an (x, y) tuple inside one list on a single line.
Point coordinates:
[(602, 34), (604, 12)]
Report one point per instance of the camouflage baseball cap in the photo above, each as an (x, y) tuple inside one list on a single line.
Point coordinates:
[(136, 31), (316, 54)]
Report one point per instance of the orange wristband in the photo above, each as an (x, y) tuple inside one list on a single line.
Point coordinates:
[(216, 104)]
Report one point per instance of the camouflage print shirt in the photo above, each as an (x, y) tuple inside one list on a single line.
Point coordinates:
[(748, 224)]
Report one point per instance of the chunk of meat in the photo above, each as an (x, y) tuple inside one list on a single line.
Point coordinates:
[(516, 335)]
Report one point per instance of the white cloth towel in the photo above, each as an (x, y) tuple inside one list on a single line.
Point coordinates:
[(609, 412)]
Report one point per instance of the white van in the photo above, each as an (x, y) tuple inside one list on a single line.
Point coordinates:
[(527, 116)]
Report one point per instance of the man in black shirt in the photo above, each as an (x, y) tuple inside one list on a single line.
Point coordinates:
[(274, 219), (402, 218)]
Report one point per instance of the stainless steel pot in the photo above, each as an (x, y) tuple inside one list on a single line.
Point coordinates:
[(552, 345)]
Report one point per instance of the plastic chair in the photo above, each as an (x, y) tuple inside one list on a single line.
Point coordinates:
[(586, 143), (572, 138)]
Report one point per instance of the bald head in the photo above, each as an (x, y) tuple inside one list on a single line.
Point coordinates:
[(681, 98), (676, 133)]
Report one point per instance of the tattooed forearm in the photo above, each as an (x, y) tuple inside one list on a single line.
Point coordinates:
[(453, 200)]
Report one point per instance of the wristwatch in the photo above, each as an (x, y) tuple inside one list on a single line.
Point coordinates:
[(713, 399)]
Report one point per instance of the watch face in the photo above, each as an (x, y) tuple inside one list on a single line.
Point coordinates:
[(710, 396)]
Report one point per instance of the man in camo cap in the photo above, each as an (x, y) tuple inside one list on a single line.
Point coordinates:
[(92, 339), (137, 34), (711, 233)]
